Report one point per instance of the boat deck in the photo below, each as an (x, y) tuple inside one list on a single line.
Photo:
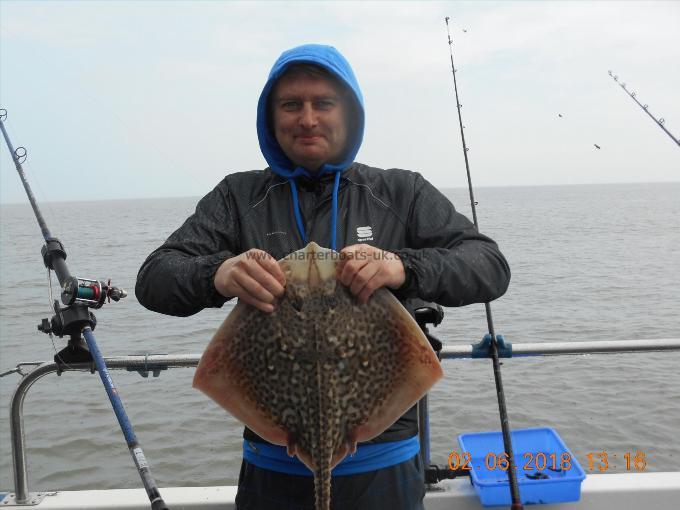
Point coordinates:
[(651, 491)]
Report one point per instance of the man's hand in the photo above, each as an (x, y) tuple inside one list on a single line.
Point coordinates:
[(254, 276), (364, 269)]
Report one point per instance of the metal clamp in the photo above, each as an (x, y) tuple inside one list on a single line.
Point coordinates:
[(481, 350), (143, 370)]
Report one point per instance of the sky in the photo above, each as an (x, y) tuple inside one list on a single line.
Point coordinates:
[(127, 99)]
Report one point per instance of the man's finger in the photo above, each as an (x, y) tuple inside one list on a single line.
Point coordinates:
[(246, 297), (253, 287), (260, 273), (350, 269), (363, 278), (365, 294), (259, 266), (272, 267)]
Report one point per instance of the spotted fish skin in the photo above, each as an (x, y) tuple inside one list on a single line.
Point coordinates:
[(325, 367), (322, 371)]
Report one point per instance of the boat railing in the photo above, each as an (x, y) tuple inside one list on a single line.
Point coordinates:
[(155, 363)]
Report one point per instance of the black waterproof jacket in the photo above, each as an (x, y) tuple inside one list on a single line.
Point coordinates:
[(446, 260)]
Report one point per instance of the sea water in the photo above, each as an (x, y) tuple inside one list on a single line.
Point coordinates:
[(589, 262)]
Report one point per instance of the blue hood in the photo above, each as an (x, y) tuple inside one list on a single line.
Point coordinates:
[(330, 59)]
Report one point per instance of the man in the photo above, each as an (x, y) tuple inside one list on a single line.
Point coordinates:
[(400, 231)]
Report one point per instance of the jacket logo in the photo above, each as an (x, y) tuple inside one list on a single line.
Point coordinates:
[(364, 234)]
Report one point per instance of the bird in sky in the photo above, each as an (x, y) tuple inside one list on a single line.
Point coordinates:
[(559, 115), (596, 146)]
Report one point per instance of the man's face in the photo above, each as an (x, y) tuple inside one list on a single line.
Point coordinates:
[(310, 123)]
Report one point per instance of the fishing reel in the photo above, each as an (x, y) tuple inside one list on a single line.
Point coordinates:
[(78, 295), (90, 293), (77, 291)]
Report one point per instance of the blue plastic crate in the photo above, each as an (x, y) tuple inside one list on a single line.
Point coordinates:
[(541, 474)]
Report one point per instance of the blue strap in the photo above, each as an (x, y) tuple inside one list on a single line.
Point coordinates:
[(334, 207), (296, 210), (368, 457), (334, 213)]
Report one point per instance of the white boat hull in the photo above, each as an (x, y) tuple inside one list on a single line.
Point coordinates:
[(650, 491)]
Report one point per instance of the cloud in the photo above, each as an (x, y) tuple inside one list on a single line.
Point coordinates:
[(150, 92)]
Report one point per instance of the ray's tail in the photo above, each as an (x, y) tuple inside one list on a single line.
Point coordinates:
[(323, 453), (322, 489)]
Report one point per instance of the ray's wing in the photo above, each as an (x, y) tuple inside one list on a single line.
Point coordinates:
[(397, 367), (234, 368)]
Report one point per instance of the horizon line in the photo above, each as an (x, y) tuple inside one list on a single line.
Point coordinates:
[(25, 201)]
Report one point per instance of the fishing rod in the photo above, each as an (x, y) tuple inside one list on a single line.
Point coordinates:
[(660, 121), (75, 320), (491, 338)]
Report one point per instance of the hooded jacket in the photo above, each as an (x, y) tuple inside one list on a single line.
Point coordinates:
[(282, 208)]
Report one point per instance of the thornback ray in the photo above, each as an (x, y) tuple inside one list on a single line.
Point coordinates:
[(322, 372)]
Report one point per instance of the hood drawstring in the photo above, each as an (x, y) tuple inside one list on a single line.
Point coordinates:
[(334, 209), (296, 209)]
